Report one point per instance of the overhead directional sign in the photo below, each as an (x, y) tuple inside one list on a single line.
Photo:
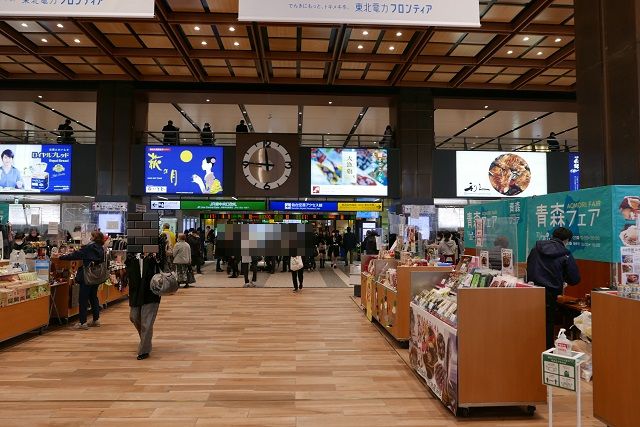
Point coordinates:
[(79, 8), (165, 204), (449, 13), (224, 205)]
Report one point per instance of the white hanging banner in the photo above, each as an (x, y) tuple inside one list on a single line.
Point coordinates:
[(78, 8), (436, 13)]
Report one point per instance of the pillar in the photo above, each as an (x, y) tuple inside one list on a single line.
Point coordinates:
[(607, 49), (121, 119), (413, 124)]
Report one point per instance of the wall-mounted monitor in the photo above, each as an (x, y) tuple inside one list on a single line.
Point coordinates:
[(349, 172), (496, 174), (183, 170), (26, 168), (111, 222)]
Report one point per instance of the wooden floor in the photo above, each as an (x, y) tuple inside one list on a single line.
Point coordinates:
[(232, 357)]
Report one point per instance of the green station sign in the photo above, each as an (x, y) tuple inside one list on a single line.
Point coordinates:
[(224, 205)]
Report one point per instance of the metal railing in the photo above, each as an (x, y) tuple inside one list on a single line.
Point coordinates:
[(30, 136), (229, 139), (501, 144)]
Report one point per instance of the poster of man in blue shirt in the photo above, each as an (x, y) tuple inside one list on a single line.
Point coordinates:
[(9, 176)]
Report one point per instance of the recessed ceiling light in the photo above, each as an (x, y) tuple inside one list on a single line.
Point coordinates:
[(299, 113), (509, 52), (465, 128), (24, 24), (360, 46), (60, 26), (558, 40), (244, 112), (299, 124), (330, 102), (236, 43), (76, 40), (208, 100), (392, 48), (203, 43), (44, 40), (398, 34), (364, 33), (526, 39), (40, 96), (539, 53), (196, 28), (486, 106), (53, 109), (232, 29)]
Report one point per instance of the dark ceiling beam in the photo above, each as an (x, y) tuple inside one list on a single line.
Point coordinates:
[(31, 48), (11, 50), (420, 42), (4, 74), (100, 40), (178, 41), (353, 129), (338, 48), (554, 59), (521, 21), (69, 50), (255, 34)]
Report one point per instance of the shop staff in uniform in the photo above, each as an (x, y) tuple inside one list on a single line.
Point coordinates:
[(551, 265), (93, 252)]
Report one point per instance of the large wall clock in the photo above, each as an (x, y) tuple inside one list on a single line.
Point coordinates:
[(267, 165)]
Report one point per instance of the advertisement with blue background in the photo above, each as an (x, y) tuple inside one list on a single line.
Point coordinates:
[(574, 171), (184, 170), (304, 206), (35, 168)]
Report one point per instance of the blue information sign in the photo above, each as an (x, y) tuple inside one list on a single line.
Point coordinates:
[(574, 171), (303, 206)]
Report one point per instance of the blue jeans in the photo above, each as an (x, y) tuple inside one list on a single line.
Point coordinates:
[(88, 294)]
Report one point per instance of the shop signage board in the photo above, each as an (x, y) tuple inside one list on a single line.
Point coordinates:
[(223, 205), (464, 13), (561, 371), (359, 206), (79, 8), (141, 208), (165, 204), (433, 353), (574, 171), (4, 213), (110, 207)]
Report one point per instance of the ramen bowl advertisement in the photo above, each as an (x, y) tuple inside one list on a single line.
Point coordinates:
[(497, 174)]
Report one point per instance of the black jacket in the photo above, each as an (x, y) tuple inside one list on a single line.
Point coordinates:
[(196, 250), (349, 241), (370, 246), (88, 254), (550, 264), (139, 282)]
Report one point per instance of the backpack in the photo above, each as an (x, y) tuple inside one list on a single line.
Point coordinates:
[(163, 284), (96, 273)]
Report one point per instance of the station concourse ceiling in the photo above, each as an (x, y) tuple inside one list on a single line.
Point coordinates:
[(521, 45)]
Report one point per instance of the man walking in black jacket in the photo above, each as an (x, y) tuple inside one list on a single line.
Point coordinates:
[(551, 265)]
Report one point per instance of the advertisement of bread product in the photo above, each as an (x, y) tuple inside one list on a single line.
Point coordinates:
[(498, 174)]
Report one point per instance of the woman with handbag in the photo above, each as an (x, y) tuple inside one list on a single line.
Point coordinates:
[(296, 266), (92, 255), (182, 261)]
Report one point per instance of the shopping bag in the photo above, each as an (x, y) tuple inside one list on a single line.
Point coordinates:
[(296, 263)]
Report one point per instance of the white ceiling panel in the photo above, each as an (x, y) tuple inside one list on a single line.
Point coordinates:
[(335, 120), (273, 118), (374, 122)]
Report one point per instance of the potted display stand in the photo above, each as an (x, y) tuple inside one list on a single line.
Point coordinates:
[(492, 356)]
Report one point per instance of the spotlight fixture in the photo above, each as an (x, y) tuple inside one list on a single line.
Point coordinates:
[(299, 113), (208, 100), (558, 40), (392, 48), (486, 106), (76, 40), (398, 34), (364, 33), (526, 39), (44, 40), (40, 96), (360, 46), (330, 102), (509, 52), (232, 29), (60, 26), (203, 43), (539, 53), (24, 24), (196, 28), (236, 43)]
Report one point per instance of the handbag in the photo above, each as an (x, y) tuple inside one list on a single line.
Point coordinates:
[(96, 273), (163, 284), (296, 263)]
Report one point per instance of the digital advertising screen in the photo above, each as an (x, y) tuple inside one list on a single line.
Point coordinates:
[(110, 222), (496, 174), (183, 170), (35, 168), (349, 172)]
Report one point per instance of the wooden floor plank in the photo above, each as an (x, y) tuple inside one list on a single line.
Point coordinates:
[(234, 357)]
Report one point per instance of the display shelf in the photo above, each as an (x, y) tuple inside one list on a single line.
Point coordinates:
[(616, 379), (390, 307), (18, 319), (492, 358)]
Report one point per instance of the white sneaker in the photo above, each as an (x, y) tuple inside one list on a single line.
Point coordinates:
[(252, 285), (94, 324), (81, 326)]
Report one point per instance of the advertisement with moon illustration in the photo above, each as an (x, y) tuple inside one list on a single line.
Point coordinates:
[(433, 353), (183, 170), (497, 174)]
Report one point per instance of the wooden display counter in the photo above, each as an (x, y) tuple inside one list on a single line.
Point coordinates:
[(492, 358), (389, 306), (18, 319), (616, 372)]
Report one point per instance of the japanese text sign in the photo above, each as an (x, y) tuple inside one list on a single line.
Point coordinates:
[(464, 13), (78, 8), (561, 371)]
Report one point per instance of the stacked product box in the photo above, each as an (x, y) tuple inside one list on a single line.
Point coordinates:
[(22, 287)]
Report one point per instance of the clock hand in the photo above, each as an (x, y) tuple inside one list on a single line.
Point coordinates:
[(258, 164), (266, 157)]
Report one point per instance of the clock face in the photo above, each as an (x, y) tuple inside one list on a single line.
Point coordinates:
[(266, 165)]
